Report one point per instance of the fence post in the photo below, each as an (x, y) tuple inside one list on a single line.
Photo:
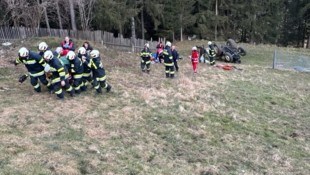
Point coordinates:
[(274, 59)]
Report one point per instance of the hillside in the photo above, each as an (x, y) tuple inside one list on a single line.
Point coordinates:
[(253, 121)]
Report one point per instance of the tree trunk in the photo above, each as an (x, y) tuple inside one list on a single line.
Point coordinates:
[(181, 31), (308, 42), (181, 27), (216, 14), (133, 34), (82, 14), (14, 18), (47, 20), (72, 15), (58, 14), (120, 26), (142, 20)]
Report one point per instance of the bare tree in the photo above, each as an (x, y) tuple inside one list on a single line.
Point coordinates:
[(23, 12), (58, 14), (216, 14), (44, 5), (86, 11), (72, 15)]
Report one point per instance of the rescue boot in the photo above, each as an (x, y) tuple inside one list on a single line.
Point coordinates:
[(60, 96), (38, 89), (83, 88), (109, 87), (71, 93), (99, 90), (77, 91)]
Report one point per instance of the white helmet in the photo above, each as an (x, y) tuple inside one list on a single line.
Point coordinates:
[(168, 43), (209, 43), (82, 50), (147, 45), (70, 55), (48, 55), (43, 46), (94, 53), (194, 48), (23, 52), (59, 50)]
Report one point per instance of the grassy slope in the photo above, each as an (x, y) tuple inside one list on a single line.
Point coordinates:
[(254, 121)]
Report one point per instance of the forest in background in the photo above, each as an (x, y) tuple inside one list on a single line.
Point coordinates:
[(281, 22)]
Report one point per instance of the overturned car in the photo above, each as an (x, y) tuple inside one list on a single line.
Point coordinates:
[(230, 52)]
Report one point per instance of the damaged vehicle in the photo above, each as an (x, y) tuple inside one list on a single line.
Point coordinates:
[(230, 52)]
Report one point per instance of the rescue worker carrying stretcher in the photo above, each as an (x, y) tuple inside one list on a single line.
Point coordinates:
[(42, 48), (97, 68), (35, 65), (59, 75), (76, 70), (82, 54)]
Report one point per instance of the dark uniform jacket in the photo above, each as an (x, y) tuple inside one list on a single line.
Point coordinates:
[(168, 59), (76, 66), (86, 68), (96, 66), (34, 63), (57, 69)]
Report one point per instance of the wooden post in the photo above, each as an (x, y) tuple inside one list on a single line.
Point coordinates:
[(274, 59)]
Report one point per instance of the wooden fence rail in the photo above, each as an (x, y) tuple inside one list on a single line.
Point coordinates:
[(9, 34)]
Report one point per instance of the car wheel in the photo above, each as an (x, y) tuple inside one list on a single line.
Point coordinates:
[(241, 51), (218, 50), (232, 43), (228, 57)]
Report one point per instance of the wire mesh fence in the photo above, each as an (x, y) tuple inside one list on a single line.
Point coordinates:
[(291, 60)]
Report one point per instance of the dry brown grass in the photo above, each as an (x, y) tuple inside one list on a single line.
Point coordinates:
[(253, 121)]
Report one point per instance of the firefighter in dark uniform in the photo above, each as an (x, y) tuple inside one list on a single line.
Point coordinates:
[(168, 61), (97, 68), (211, 53), (76, 70), (35, 66), (43, 47), (83, 54), (59, 75), (146, 55), (175, 56)]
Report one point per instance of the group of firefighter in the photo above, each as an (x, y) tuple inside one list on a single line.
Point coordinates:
[(169, 55), (63, 69)]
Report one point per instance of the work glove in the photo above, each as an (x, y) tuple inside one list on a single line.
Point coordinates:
[(13, 62), (22, 78), (47, 68)]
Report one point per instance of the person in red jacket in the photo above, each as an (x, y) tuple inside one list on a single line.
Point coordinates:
[(195, 58), (159, 51), (67, 45)]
